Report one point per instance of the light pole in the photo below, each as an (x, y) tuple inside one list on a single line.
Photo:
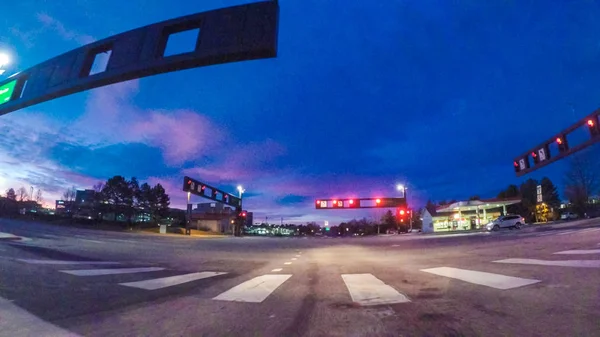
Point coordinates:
[(4, 60), (402, 188), (241, 191)]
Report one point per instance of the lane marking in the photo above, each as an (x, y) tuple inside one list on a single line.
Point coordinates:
[(294, 258), (566, 263), (287, 263), (589, 230), (395, 245), (164, 282), (94, 241), (297, 255), (366, 289), (546, 234), (97, 272), (276, 270), (18, 322), (567, 232), (33, 261), (255, 290), (579, 252), (496, 281)]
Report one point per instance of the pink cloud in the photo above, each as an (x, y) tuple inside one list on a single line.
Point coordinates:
[(181, 134), (243, 163)]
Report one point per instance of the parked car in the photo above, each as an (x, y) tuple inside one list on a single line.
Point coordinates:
[(506, 221), (569, 216)]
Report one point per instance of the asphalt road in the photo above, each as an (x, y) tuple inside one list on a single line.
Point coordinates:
[(61, 281)]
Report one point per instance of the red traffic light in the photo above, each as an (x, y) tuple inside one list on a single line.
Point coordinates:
[(378, 201), (516, 164), (559, 140), (533, 154), (189, 182), (318, 202), (401, 212), (351, 202), (590, 122)]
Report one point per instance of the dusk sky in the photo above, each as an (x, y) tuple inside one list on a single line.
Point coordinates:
[(439, 95)]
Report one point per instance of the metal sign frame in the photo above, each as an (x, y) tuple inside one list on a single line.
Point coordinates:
[(225, 35)]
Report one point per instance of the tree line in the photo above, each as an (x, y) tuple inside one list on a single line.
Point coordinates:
[(21, 195), (128, 197)]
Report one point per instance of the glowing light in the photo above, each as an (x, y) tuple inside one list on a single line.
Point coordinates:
[(590, 122), (559, 140), (378, 201), (351, 202)]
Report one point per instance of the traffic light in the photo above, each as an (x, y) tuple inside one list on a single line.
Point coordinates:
[(592, 125), (353, 203), (377, 201), (563, 146), (516, 166), (536, 158)]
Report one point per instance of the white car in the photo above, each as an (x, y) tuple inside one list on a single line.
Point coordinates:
[(569, 216), (505, 221)]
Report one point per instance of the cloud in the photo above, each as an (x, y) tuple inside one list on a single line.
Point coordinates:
[(66, 34), (182, 135)]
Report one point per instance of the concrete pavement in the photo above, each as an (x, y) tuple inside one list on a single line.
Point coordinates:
[(95, 283)]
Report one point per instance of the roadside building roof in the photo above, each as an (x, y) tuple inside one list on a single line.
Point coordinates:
[(471, 205)]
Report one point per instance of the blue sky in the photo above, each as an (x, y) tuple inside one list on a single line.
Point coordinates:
[(438, 95)]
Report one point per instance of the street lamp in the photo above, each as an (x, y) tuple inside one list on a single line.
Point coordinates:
[(241, 190), (4, 60)]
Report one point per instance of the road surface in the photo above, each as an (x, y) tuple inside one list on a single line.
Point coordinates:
[(60, 281)]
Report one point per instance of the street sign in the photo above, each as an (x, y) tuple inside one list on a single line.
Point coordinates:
[(539, 193), (522, 163), (542, 153)]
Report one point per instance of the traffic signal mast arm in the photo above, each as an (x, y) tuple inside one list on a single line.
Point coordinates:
[(541, 155)]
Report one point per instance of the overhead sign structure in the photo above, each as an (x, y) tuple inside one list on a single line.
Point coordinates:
[(204, 190), (359, 203), (541, 155), (238, 33), (6, 91)]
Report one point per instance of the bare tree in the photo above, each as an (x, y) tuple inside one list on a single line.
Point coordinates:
[(581, 180), (70, 194), (22, 194), (38, 196)]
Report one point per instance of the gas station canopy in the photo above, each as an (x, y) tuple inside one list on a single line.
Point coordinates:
[(472, 205)]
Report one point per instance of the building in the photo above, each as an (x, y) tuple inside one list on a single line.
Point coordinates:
[(63, 206), (212, 216), (465, 215), (85, 198)]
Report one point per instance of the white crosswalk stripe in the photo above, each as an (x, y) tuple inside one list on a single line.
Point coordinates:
[(116, 271), (63, 262), (255, 290), (164, 282), (482, 278), (565, 263), (366, 289)]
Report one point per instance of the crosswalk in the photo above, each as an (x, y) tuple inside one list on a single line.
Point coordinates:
[(364, 289)]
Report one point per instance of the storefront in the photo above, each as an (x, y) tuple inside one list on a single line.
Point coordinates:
[(468, 215)]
